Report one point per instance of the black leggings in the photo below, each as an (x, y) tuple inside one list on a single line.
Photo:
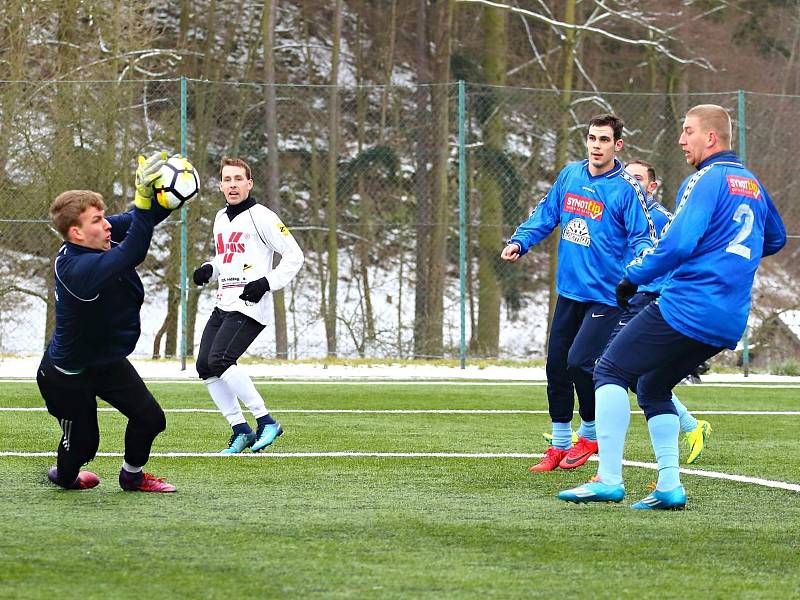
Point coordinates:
[(72, 399), (226, 337)]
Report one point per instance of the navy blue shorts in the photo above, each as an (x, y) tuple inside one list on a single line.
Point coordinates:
[(649, 350), (636, 304), (578, 334)]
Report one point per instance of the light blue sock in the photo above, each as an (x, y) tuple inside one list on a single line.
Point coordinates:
[(613, 415), (664, 430), (587, 430), (688, 422), (562, 435)]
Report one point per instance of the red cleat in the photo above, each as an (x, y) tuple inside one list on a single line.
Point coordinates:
[(551, 459), (144, 482), (86, 480), (579, 453)]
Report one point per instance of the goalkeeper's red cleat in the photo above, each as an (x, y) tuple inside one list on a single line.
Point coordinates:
[(143, 482), (550, 461), (86, 480), (579, 453)]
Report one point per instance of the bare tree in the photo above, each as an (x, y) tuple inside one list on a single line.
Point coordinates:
[(331, 206)]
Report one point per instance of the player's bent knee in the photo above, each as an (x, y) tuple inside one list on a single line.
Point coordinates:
[(218, 365), (151, 419), (654, 408), (607, 373)]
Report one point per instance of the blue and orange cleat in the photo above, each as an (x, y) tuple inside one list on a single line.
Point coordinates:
[(674, 499)]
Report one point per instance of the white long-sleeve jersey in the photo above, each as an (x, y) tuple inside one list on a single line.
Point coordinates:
[(245, 250)]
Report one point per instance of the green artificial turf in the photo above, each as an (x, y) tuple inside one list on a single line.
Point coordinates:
[(385, 527)]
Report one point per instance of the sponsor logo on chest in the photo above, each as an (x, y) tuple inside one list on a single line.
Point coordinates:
[(577, 232), (585, 207), (743, 186), (234, 245)]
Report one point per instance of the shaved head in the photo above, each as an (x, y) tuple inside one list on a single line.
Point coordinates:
[(711, 117)]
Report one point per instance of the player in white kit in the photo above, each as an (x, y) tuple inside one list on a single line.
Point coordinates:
[(246, 237)]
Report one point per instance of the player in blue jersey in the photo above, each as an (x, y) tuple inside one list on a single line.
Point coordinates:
[(724, 223), (697, 431), (600, 211), (98, 298)]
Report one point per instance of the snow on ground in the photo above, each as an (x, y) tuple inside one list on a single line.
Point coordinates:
[(25, 368)]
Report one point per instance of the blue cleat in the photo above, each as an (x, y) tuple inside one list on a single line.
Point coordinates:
[(594, 491), (674, 499), (266, 436), (239, 442)]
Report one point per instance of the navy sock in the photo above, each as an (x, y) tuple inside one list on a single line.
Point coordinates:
[(242, 428), (265, 420)]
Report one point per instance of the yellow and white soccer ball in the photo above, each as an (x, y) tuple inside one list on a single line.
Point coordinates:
[(177, 184)]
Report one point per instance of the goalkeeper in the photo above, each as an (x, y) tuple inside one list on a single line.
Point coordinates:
[(98, 298)]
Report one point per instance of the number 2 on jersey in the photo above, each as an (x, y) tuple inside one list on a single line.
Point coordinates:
[(743, 213)]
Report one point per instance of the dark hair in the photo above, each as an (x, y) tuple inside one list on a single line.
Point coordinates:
[(67, 208), (228, 161), (608, 120), (651, 170)]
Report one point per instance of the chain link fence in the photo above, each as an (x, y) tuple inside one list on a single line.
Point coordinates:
[(387, 169)]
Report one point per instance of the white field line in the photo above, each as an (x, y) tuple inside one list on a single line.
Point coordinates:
[(462, 455), (421, 411)]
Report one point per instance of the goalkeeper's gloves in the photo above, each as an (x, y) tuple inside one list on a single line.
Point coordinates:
[(202, 274), (625, 291), (255, 290), (147, 173)]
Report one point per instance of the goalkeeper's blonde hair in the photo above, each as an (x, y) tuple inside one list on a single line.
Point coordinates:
[(66, 209)]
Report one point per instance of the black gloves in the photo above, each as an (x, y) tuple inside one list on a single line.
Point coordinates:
[(625, 291), (255, 290), (202, 274)]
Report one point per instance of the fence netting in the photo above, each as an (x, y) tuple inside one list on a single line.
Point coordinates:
[(369, 181)]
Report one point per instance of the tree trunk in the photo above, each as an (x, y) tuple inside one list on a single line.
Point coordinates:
[(422, 185), (366, 206), (273, 183), (331, 207), (490, 232), (172, 280), (562, 144), (440, 205)]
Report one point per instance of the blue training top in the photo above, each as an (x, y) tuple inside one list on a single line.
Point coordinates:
[(600, 218), (724, 223), (661, 219), (99, 294)]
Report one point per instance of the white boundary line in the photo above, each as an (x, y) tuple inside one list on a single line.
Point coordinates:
[(481, 455), (413, 411)]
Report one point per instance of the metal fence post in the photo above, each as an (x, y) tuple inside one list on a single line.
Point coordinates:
[(184, 214), (462, 223), (743, 157)]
